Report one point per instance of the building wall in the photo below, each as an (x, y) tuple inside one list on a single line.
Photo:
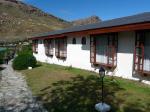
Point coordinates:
[(126, 44), (78, 56)]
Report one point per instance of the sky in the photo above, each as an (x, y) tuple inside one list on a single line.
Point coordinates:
[(77, 9)]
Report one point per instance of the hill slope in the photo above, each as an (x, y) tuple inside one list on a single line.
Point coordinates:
[(19, 20), (89, 20)]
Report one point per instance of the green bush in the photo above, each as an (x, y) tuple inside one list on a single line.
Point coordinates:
[(2, 55), (23, 61), (26, 50), (1, 61)]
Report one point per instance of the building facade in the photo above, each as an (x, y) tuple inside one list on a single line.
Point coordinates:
[(121, 46)]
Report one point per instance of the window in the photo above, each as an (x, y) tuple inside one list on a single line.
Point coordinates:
[(40, 41), (61, 47), (103, 49), (74, 41), (35, 46), (141, 52), (83, 41), (49, 45)]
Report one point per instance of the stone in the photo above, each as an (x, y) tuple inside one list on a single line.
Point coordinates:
[(102, 107), (30, 68), (15, 95)]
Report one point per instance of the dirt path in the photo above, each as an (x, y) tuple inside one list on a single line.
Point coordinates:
[(15, 96)]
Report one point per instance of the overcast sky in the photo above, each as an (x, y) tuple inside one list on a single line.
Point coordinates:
[(105, 9)]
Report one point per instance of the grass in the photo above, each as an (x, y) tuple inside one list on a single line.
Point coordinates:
[(67, 89)]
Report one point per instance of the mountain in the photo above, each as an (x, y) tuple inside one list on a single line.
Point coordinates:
[(20, 21), (89, 20)]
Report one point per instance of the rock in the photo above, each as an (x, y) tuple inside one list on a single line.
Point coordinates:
[(29, 110), (30, 68), (89, 20), (102, 107)]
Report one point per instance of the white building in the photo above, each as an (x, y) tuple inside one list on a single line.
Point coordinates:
[(120, 45)]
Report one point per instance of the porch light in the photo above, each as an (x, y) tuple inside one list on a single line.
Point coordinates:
[(102, 107)]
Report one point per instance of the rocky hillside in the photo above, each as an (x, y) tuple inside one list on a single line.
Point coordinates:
[(19, 20), (89, 20)]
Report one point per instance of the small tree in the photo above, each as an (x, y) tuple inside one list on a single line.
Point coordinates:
[(24, 61)]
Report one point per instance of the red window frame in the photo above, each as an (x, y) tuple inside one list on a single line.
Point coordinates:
[(92, 49), (111, 52), (112, 49), (139, 51), (35, 46), (49, 46), (61, 47)]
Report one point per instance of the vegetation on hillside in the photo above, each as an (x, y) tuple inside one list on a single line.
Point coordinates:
[(85, 21), (19, 20), (3, 54)]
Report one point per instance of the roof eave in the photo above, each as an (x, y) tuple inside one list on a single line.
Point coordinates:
[(110, 29)]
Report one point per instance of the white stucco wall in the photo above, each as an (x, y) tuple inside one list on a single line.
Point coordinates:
[(126, 43), (78, 55), (40, 56)]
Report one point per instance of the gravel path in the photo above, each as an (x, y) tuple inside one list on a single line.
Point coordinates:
[(15, 96)]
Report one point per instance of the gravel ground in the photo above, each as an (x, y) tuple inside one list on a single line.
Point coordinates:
[(15, 96)]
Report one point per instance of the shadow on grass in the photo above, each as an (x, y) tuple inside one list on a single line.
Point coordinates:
[(38, 65), (80, 94), (137, 107)]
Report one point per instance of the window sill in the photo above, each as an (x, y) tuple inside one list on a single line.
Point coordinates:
[(49, 55), (35, 52), (61, 57), (143, 73), (105, 65)]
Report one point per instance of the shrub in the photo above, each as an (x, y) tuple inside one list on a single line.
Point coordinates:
[(2, 55), (23, 61), (1, 61), (26, 50)]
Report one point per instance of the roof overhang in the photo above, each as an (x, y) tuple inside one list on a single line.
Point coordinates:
[(121, 28)]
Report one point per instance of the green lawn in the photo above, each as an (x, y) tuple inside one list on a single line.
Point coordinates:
[(66, 89)]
